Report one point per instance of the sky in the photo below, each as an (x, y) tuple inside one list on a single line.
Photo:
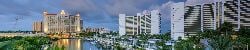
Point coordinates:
[(95, 13)]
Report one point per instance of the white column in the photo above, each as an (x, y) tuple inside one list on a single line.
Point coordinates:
[(247, 46), (145, 18), (202, 17), (238, 15)]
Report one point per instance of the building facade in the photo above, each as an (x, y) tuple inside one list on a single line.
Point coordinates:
[(199, 18), (208, 21), (177, 20), (147, 22), (192, 20), (37, 26), (210, 16), (155, 22), (62, 22), (237, 12)]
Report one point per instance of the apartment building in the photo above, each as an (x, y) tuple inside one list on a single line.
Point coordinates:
[(177, 20), (237, 12), (147, 22), (192, 20), (210, 16)]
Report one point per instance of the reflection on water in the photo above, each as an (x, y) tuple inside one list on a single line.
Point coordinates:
[(76, 44)]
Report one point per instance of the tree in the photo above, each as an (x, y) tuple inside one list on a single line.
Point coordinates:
[(225, 27), (118, 47), (221, 42), (224, 38), (243, 37), (21, 45), (184, 45)]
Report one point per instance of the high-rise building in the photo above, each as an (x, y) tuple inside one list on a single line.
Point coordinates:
[(192, 20), (199, 18), (210, 16), (237, 12), (122, 25), (155, 22), (177, 20), (207, 17), (62, 22), (147, 22), (232, 11), (38, 26)]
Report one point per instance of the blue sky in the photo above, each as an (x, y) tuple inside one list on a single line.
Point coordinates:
[(95, 13)]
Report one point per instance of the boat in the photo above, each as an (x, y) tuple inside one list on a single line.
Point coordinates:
[(92, 42)]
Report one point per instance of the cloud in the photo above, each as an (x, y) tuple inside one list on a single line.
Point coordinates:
[(102, 13), (165, 10), (124, 6), (130, 7), (79, 5), (28, 10), (111, 6), (105, 13)]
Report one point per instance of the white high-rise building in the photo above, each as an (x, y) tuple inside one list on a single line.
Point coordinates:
[(147, 22), (177, 20), (122, 24), (155, 22)]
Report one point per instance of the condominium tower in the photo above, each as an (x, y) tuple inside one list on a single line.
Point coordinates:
[(199, 18), (236, 12), (192, 20), (147, 22), (210, 16), (177, 20)]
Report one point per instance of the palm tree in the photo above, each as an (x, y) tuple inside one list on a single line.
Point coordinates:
[(209, 34), (196, 42), (221, 42), (244, 38), (219, 39), (184, 45), (226, 27)]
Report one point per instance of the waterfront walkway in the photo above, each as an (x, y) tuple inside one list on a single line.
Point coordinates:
[(19, 34)]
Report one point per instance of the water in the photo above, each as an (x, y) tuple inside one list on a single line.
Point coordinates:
[(76, 44)]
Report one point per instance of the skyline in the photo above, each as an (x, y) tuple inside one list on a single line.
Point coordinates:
[(94, 13), (124, 24)]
